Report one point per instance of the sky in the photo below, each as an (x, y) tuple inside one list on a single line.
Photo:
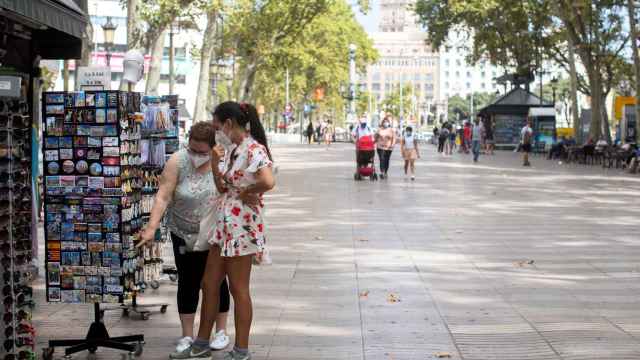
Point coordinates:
[(370, 21)]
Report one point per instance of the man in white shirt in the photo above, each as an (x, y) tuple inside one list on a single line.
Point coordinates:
[(526, 139)]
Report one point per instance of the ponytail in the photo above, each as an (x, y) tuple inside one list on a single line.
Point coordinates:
[(256, 129), (247, 117)]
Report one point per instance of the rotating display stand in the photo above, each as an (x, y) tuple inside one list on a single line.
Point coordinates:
[(92, 206)]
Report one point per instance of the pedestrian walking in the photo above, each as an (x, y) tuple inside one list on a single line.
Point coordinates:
[(488, 126), (328, 133), (238, 239), (466, 137), (410, 152), (452, 140), (476, 138), (526, 138), (385, 142), (186, 189), (442, 139), (309, 132)]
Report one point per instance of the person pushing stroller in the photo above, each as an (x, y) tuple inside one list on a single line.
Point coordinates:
[(365, 151)]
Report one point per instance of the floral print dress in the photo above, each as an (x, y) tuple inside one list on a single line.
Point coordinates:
[(239, 227)]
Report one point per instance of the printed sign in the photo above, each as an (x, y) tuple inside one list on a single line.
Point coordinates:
[(94, 78)]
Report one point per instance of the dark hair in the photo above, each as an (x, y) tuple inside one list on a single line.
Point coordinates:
[(203, 131), (409, 128), (243, 114)]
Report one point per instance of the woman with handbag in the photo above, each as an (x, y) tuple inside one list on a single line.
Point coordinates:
[(186, 191)]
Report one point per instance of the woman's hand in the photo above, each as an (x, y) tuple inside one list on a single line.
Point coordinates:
[(147, 235), (248, 198), (217, 154)]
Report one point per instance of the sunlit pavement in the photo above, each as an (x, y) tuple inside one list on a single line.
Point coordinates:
[(484, 261)]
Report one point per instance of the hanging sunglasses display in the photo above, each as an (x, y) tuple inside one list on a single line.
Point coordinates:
[(92, 195), (16, 194)]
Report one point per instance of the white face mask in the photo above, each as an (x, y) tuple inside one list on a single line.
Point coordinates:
[(199, 160), (223, 139)]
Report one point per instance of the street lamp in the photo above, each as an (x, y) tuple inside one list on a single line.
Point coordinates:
[(109, 31), (554, 86)]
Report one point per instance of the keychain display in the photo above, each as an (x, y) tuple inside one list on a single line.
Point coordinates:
[(16, 194), (93, 185)]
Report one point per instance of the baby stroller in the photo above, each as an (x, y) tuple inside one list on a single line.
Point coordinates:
[(365, 153)]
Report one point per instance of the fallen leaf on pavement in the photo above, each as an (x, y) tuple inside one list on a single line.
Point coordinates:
[(319, 237), (393, 298), (443, 355), (522, 263), (363, 240), (459, 231)]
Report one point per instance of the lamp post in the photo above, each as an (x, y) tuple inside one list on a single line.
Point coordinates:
[(352, 81), (109, 31), (554, 86)]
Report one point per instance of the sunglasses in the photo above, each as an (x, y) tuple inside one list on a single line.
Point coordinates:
[(14, 121), (17, 136), (18, 259), (20, 301), (21, 330), (19, 342), (20, 316), (18, 289), (22, 245)]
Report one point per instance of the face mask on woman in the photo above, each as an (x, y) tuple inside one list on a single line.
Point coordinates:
[(223, 139), (385, 125), (198, 160)]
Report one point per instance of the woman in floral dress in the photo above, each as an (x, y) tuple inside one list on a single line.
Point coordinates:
[(238, 239)]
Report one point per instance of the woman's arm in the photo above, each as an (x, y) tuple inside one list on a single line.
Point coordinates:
[(264, 182), (217, 153), (415, 143), (168, 183)]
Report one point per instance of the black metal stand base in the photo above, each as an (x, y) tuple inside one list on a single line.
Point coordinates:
[(97, 337), (141, 309)]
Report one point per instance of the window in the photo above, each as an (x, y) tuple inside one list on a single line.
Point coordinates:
[(375, 86), (458, 62), (468, 86), (484, 86), (446, 62), (376, 76), (482, 74), (446, 74), (446, 85), (387, 87), (468, 74), (429, 77), (457, 74), (416, 77)]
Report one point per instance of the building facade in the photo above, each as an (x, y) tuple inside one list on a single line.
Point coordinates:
[(406, 60)]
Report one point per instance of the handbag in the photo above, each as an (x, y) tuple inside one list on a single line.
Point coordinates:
[(206, 232)]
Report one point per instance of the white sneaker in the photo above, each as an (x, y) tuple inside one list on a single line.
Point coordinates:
[(184, 343), (220, 341)]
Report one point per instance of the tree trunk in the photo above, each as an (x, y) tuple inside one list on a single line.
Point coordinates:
[(133, 32), (155, 68), (206, 52), (577, 126), (595, 80), (245, 85), (606, 129), (635, 37), (87, 48)]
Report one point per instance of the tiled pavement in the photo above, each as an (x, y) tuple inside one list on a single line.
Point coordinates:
[(486, 261)]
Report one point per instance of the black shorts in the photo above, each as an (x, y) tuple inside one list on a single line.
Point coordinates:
[(526, 148)]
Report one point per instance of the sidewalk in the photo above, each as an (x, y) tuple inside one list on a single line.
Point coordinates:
[(486, 261)]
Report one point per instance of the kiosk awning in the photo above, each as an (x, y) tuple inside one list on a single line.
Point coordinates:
[(58, 25)]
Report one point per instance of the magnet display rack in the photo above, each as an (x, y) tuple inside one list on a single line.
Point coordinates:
[(92, 194), (16, 194)]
